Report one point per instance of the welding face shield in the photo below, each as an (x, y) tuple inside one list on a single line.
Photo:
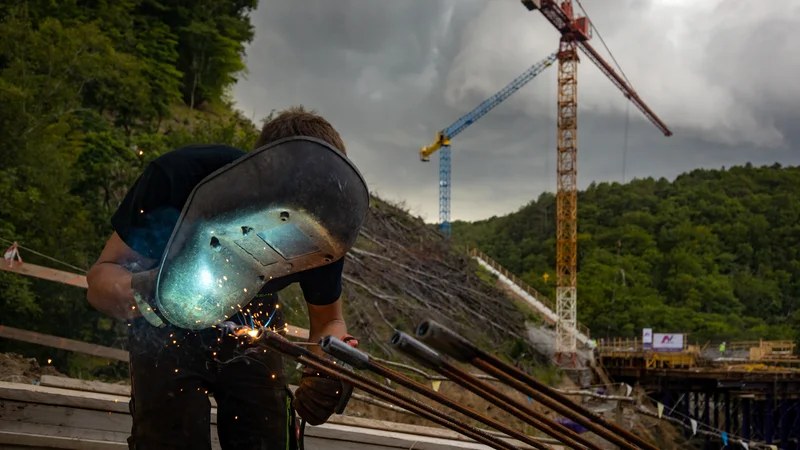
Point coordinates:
[(289, 206)]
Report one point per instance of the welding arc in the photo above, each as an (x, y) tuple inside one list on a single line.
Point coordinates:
[(342, 351), (429, 358), (330, 368), (447, 341)]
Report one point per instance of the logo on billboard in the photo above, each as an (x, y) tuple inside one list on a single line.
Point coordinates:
[(647, 337), (668, 341)]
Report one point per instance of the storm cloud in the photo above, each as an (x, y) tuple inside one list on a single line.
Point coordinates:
[(389, 74)]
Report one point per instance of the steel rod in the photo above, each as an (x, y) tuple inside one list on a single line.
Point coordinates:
[(418, 408), (554, 429), (360, 360), (282, 345), (450, 343), (429, 358)]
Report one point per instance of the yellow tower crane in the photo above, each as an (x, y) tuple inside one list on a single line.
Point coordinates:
[(575, 34)]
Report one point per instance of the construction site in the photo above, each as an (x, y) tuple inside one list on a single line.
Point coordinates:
[(456, 351)]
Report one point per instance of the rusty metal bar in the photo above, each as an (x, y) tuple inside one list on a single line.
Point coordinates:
[(429, 358), (282, 345), (447, 341), (408, 403), (362, 361)]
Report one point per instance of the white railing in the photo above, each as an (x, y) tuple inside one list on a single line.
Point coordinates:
[(541, 303)]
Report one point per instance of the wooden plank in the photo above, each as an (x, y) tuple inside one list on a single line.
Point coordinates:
[(124, 390), (42, 424), (70, 438), (46, 273), (85, 385), (62, 343), (62, 397), (23, 441), (324, 437), (93, 349), (57, 406), (74, 279), (77, 399), (61, 416), (74, 418), (78, 387), (74, 384), (369, 439)]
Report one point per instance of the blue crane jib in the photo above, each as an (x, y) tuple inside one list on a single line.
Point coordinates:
[(444, 136)]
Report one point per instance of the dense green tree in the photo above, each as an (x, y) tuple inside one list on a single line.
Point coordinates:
[(90, 93), (714, 253), (211, 36)]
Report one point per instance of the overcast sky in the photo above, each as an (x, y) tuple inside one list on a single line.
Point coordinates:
[(389, 74)]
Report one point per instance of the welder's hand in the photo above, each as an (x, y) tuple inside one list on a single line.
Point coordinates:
[(317, 396), (143, 285)]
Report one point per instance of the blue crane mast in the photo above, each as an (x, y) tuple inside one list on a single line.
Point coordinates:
[(444, 136)]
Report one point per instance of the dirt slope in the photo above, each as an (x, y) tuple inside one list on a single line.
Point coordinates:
[(401, 271)]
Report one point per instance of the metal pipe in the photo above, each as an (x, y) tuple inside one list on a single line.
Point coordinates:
[(429, 358), (449, 342), (360, 360), (280, 344)]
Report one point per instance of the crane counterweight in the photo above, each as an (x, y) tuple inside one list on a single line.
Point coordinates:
[(532, 4)]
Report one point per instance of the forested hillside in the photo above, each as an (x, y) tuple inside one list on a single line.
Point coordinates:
[(715, 253), (90, 92)]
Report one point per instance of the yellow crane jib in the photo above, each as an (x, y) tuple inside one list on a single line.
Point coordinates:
[(426, 152)]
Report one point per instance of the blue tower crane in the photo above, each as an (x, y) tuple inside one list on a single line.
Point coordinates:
[(444, 136)]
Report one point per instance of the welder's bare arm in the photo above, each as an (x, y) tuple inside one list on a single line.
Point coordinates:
[(325, 320), (109, 279)]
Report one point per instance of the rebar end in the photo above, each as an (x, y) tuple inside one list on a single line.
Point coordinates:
[(344, 352), (416, 350), (446, 341)]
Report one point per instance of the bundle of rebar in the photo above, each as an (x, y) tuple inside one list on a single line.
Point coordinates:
[(434, 347)]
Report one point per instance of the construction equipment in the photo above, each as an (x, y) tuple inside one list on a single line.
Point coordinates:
[(575, 32), (443, 137)]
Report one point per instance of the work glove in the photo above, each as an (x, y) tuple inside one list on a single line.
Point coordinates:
[(143, 285), (319, 396)]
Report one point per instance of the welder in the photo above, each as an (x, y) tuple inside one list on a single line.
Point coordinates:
[(208, 235)]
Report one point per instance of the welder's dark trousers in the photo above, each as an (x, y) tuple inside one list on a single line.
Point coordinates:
[(172, 373)]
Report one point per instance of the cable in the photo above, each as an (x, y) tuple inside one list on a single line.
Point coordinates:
[(44, 256), (710, 430), (625, 140), (302, 434), (596, 31)]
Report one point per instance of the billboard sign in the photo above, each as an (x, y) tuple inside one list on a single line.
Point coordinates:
[(647, 338), (671, 342)]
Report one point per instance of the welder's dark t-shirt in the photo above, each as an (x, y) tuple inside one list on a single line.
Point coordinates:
[(152, 206)]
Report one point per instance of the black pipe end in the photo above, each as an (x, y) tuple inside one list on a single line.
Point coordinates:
[(446, 341), (416, 350), (344, 352)]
